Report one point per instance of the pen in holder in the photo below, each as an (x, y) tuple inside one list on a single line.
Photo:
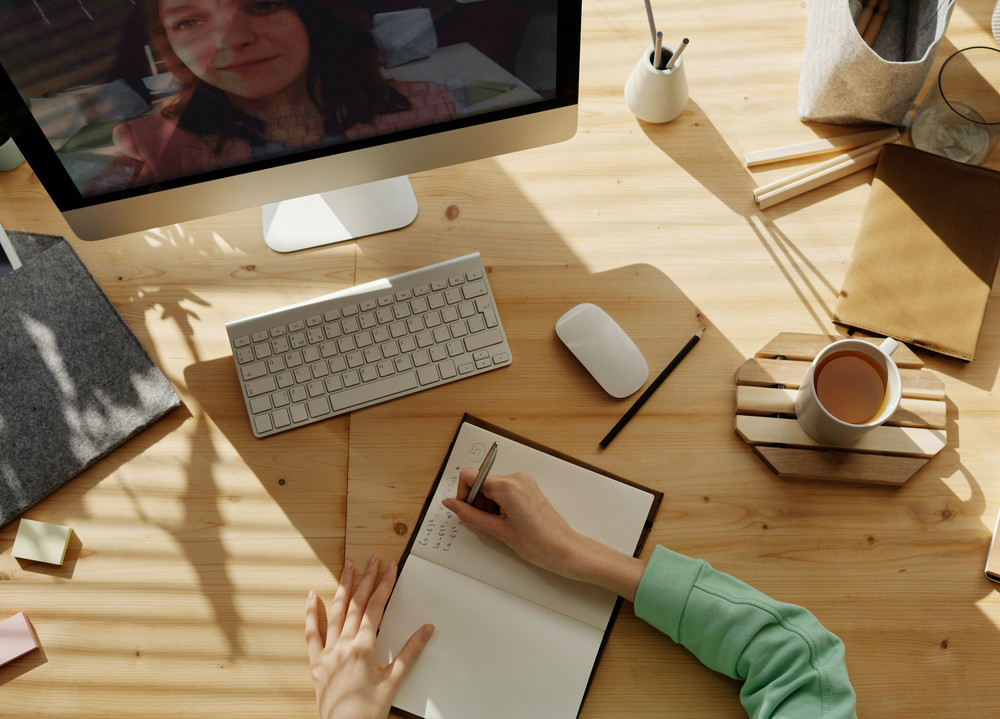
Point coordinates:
[(657, 95)]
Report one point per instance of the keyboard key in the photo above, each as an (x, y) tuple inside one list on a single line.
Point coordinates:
[(483, 339), (281, 418), (477, 324), (427, 374), (253, 371), (260, 404), (319, 407), (374, 390), (262, 424), (260, 386), (474, 289), (447, 369)]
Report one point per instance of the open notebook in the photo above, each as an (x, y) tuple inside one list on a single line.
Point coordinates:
[(511, 640)]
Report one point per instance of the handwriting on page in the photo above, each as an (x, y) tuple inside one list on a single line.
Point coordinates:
[(441, 527)]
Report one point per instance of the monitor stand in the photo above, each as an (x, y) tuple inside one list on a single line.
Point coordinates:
[(339, 215)]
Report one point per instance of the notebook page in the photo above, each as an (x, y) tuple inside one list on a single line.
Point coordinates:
[(492, 656), (594, 505)]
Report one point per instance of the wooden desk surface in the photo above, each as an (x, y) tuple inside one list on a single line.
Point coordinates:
[(195, 544)]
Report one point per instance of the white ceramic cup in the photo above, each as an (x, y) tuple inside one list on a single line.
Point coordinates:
[(818, 422), (10, 156), (657, 95)]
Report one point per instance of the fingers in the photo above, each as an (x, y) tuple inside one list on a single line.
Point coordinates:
[(466, 478), (341, 600), (359, 602), (409, 653), (376, 605), (314, 640), (493, 524)]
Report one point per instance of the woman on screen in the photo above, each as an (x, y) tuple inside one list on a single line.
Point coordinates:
[(261, 79)]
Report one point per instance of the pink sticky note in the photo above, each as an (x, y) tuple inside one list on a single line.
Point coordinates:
[(17, 638)]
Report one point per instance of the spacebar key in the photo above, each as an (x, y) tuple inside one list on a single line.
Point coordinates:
[(372, 391)]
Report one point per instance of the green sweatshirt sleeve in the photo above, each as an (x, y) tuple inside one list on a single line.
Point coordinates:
[(790, 665)]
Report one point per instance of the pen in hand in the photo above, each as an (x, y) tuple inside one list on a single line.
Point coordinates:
[(484, 469)]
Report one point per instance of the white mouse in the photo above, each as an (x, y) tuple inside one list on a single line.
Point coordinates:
[(604, 349)]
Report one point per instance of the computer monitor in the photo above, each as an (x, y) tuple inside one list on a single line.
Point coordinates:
[(137, 114)]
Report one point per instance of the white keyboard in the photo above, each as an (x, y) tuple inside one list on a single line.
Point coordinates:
[(367, 344)]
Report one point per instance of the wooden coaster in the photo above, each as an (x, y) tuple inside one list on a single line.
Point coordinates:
[(890, 454)]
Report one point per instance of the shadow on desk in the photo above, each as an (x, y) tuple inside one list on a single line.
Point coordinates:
[(693, 142), (294, 467)]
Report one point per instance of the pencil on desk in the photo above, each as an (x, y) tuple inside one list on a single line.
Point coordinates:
[(817, 147), (891, 136), (793, 185), (844, 166), (652, 388)]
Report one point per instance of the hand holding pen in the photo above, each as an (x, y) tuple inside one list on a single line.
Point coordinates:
[(512, 508), (484, 470)]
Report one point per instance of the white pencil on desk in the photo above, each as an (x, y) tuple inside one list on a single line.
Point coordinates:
[(821, 174), (818, 147)]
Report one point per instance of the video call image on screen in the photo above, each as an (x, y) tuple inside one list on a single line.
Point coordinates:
[(131, 94)]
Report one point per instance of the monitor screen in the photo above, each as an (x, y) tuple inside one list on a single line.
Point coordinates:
[(141, 113)]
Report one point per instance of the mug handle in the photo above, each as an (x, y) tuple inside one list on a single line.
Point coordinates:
[(888, 346)]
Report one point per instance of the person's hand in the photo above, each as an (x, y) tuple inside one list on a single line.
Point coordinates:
[(513, 509), (349, 684)]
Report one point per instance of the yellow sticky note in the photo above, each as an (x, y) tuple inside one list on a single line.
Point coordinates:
[(41, 541)]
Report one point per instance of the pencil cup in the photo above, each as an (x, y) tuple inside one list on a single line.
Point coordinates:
[(657, 95)]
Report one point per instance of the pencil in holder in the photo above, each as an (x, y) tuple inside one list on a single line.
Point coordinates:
[(655, 95)]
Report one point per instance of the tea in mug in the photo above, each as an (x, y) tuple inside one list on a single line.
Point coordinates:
[(851, 386)]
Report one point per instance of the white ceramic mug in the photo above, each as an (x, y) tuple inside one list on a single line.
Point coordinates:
[(657, 95), (818, 422), (10, 156)]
